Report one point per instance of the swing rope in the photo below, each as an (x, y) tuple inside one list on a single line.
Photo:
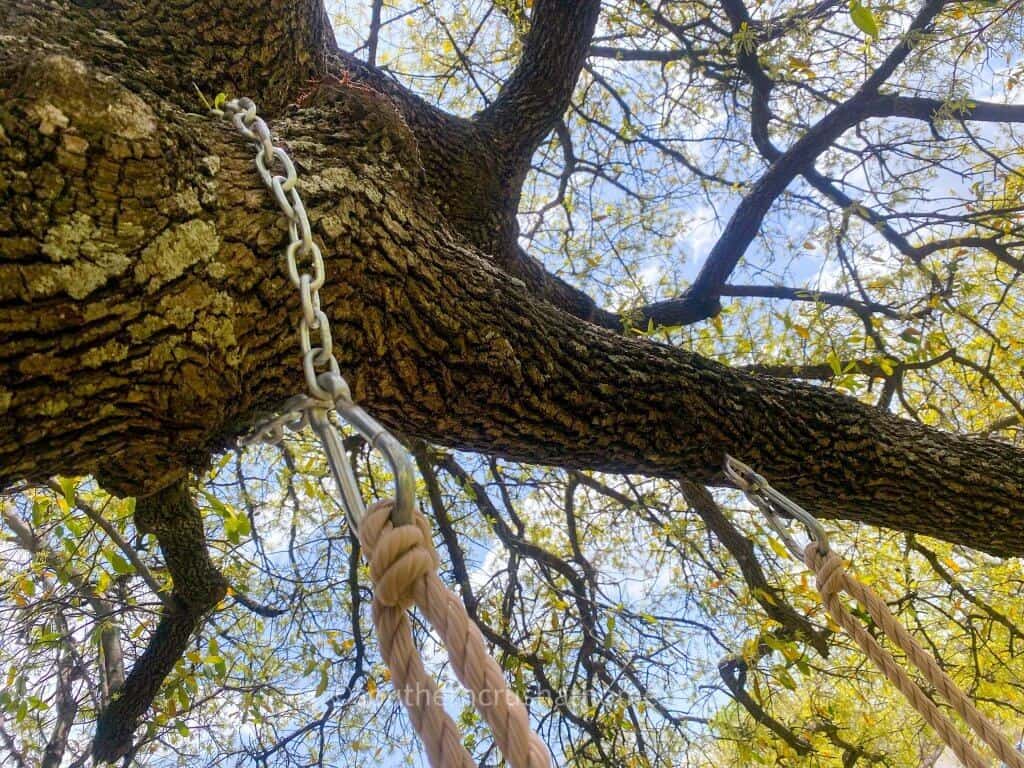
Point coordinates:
[(394, 535), (397, 544), (403, 566), (831, 579)]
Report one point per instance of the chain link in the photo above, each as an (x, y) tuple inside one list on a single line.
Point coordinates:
[(315, 340)]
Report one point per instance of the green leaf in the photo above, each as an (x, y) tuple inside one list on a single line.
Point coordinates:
[(39, 508), (67, 484), (864, 19), (231, 529), (118, 563), (77, 525), (217, 505), (785, 678)]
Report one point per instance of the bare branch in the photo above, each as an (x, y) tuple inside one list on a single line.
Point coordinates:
[(700, 301), (742, 550), (734, 673), (112, 533), (829, 298)]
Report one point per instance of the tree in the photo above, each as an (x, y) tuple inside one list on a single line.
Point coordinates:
[(148, 323)]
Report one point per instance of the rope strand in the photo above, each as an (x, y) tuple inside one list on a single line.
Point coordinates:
[(832, 578), (403, 566)]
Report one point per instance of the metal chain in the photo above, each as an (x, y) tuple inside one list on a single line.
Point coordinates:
[(327, 389), (316, 358)]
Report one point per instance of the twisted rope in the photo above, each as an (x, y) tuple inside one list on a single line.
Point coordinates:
[(403, 566), (832, 579)]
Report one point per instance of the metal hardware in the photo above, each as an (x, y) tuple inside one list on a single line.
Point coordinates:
[(327, 389), (773, 504)]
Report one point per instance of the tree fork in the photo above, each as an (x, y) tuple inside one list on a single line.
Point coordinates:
[(147, 321)]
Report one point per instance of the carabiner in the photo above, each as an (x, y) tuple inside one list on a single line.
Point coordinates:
[(771, 502), (377, 436)]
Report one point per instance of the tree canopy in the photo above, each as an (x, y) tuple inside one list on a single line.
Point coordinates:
[(577, 252)]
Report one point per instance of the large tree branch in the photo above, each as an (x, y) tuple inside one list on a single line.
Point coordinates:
[(136, 360), (921, 108), (537, 93), (761, 84)]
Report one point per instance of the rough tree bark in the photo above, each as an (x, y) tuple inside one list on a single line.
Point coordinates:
[(146, 320)]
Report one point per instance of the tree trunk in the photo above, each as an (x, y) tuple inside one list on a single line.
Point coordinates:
[(147, 319)]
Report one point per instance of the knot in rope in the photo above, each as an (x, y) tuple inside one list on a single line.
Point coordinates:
[(827, 568), (400, 558)]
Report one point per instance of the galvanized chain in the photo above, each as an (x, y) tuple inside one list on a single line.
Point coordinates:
[(318, 358), (294, 416), (327, 388)]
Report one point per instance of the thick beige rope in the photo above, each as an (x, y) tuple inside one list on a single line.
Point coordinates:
[(832, 579), (403, 567)]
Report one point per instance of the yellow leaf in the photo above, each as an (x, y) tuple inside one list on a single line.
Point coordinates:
[(777, 547), (864, 19)]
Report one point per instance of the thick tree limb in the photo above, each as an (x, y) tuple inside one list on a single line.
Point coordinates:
[(700, 300), (147, 321), (536, 95), (920, 108), (267, 50), (198, 586)]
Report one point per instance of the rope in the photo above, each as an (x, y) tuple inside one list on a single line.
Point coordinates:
[(832, 579), (403, 566)]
